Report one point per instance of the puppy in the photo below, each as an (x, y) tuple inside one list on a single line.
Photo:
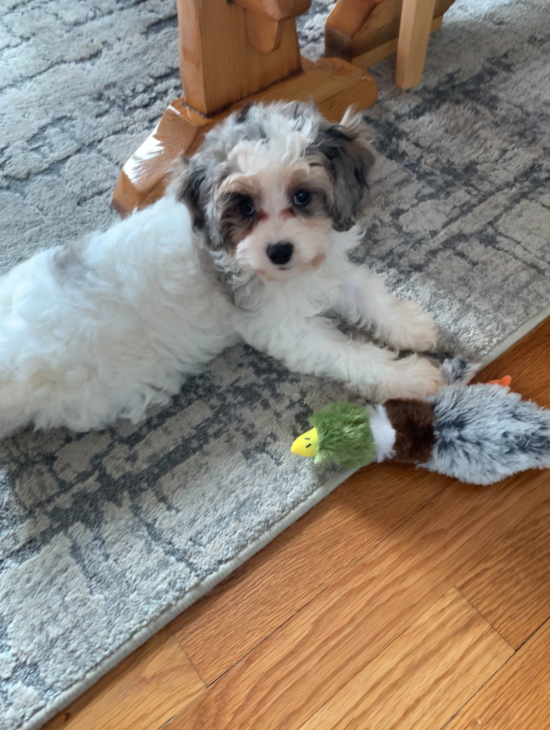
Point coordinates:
[(249, 244)]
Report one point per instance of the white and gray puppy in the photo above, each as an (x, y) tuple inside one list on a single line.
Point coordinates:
[(249, 244)]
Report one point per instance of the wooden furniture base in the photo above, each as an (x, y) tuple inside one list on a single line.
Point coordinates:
[(366, 32), (380, 53), (331, 83)]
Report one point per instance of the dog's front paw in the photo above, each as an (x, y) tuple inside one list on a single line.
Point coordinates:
[(409, 328), (412, 377)]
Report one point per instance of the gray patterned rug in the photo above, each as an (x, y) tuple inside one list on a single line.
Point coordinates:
[(105, 537)]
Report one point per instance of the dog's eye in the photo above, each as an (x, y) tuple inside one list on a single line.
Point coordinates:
[(301, 197), (246, 208)]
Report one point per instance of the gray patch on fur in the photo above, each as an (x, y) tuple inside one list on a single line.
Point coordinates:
[(218, 277), (69, 262), (485, 433)]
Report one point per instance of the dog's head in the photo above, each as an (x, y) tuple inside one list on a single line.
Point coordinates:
[(271, 183)]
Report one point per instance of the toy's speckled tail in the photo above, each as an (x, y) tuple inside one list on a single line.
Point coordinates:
[(459, 370)]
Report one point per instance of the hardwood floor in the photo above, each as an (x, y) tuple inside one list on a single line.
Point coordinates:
[(404, 600), (144, 691), (426, 674)]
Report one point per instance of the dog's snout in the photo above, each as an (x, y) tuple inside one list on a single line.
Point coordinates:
[(280, 253)]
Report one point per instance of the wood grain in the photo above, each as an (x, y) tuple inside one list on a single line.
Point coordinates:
[(276, 9), (218, 65), (220, 629), (321, 648), (423, 678), (141, 693), (347, 16), (262, 32), (511, 587), (383, 25), (517, 698), (371, 58), (414, 32), (527, 363), (347, 39)]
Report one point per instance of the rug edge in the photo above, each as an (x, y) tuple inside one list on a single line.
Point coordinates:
[(516, 335), (92, 677)]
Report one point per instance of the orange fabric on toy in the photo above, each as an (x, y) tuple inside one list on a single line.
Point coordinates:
[(506, 381)]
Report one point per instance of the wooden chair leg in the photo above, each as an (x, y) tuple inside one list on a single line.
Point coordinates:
[(414, 32)]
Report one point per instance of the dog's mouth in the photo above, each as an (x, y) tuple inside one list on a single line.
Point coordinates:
[(316, 261), (292, 269), (276, 272)]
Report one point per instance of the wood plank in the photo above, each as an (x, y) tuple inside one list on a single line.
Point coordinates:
[(291, 674), (141, 693), (383, 25), (347, 16), (423, 678), (276, 9), (291, 663), (262, 32), (320, 81), (218, 65), (348, 38), (224, 626), (527, 363), (414, 33), (517, 698), (511, 587), (376, 55)]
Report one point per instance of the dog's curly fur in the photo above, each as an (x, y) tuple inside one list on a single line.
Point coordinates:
[(249, 244)]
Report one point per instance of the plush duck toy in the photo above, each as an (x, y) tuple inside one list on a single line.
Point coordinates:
[(478, 434)]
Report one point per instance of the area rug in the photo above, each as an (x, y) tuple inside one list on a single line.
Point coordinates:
[(105, 537)]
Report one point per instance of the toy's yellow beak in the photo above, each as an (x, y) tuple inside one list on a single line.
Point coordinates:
[(306, 444)]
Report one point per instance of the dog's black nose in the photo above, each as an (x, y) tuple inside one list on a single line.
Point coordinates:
[(280, 253)]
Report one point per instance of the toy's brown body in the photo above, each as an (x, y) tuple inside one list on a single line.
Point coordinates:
[(413, 422)]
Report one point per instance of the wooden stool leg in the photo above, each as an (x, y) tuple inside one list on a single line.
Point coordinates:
[(414, 32)]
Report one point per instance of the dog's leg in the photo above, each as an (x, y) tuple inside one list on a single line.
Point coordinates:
[(316, 346), (365, 301)]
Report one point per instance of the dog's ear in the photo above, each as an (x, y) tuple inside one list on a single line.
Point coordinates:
[(195, 184), (349, 158), (191, 181)]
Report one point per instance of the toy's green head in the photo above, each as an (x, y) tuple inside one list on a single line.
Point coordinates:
[(341, 434)]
